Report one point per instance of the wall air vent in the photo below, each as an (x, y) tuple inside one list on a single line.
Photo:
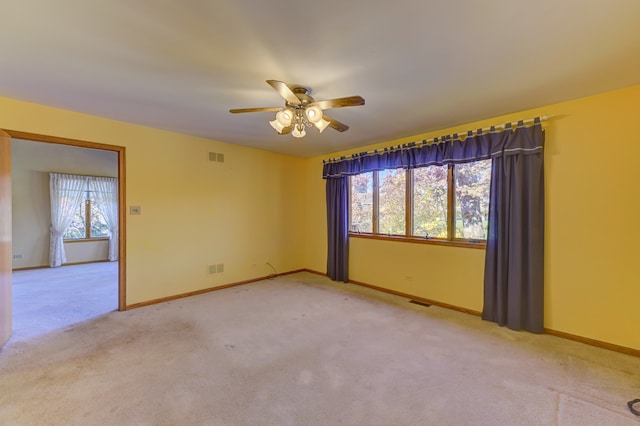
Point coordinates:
[(216, 156), (215, 269)]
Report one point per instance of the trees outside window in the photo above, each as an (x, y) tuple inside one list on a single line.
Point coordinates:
[(472, 184), (362, 203), (392, 205), (88, 213), (430, 202), (436, 202)]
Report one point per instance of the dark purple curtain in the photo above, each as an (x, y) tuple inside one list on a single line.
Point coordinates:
[(514, 269), (338, 228), (514, 261)]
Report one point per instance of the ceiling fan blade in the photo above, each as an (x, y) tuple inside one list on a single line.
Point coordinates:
[(284, 91), (339, 102), (341, 127), (239, 110)]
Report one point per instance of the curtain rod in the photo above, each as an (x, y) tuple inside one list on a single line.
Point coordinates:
[(88, 176), (440, 139)]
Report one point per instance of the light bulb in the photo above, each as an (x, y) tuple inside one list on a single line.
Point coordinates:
[(314, 113), (284, 117)]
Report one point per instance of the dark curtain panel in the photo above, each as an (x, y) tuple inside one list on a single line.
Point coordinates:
[(514, 268), (513, 282), (338, 228)]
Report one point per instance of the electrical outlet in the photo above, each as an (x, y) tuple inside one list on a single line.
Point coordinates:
[(17, 256)]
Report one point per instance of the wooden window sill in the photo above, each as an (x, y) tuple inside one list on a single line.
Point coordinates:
[(420, 240), (85, 240)]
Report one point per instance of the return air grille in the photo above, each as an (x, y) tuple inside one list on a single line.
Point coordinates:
[(216, 156)]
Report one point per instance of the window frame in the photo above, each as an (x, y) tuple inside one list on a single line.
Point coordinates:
[(451, 239), (87, 220)]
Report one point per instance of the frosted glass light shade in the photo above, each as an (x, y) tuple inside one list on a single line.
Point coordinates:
[(284, 117), (314, 114), (276, 125), (321, 124), (297, 133)]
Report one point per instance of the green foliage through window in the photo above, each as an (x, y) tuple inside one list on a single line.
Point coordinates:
[(87, 213), (440, 202)]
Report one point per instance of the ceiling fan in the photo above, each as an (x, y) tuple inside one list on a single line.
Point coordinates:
[(301, 110)]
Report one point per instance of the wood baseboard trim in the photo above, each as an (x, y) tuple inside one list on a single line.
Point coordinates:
[(311, 271), (588, 341), (208, 290), (30, 268), (418, 298), (406, 295), (593, 342)]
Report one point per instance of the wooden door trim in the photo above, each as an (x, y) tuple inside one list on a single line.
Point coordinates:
[(5, 239), (122, 246)]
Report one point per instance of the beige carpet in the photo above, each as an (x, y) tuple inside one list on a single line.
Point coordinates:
[(300, 350), (48, 299)]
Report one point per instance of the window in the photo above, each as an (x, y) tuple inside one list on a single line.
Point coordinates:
[(392, 206), (362, 203), (446, 203), (88, 213)]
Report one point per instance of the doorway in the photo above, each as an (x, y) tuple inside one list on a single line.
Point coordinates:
[(117, 153)]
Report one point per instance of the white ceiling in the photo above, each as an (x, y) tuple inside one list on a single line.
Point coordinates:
[(421, 65)]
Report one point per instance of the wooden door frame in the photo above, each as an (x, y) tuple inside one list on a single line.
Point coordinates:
[(120, 150), (6, 316)]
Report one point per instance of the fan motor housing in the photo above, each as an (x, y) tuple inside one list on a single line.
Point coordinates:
[(302, 93)]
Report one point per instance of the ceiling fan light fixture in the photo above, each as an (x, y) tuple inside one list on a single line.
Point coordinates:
[(314, 114), (298, 132), (302, 111), (284, 117), (321, 124), (277, 125)]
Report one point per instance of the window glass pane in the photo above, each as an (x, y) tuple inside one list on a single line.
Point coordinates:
[(362, 202), (77, 229), (430, 202), (472, 183), (392, 201), (99, 228)]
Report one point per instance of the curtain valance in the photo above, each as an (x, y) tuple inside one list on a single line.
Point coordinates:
[(521, 140)]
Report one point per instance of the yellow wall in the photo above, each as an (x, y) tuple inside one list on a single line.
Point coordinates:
[(243, 213), (592, 177), (259, 206)]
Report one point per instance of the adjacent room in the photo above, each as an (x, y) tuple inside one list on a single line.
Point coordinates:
[(347, 213), (48, 298)]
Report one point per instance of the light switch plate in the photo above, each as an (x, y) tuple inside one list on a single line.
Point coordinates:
[(135, 209)]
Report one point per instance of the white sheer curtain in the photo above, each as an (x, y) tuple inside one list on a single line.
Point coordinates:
[(105, 192), (66, 193)]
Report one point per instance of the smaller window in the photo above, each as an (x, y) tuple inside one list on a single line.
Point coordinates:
[(391, 211), (472, 186), (88, 212), (430, 202), (362, 203)]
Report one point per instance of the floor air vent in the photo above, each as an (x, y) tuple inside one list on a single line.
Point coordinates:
[(417, 302)]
